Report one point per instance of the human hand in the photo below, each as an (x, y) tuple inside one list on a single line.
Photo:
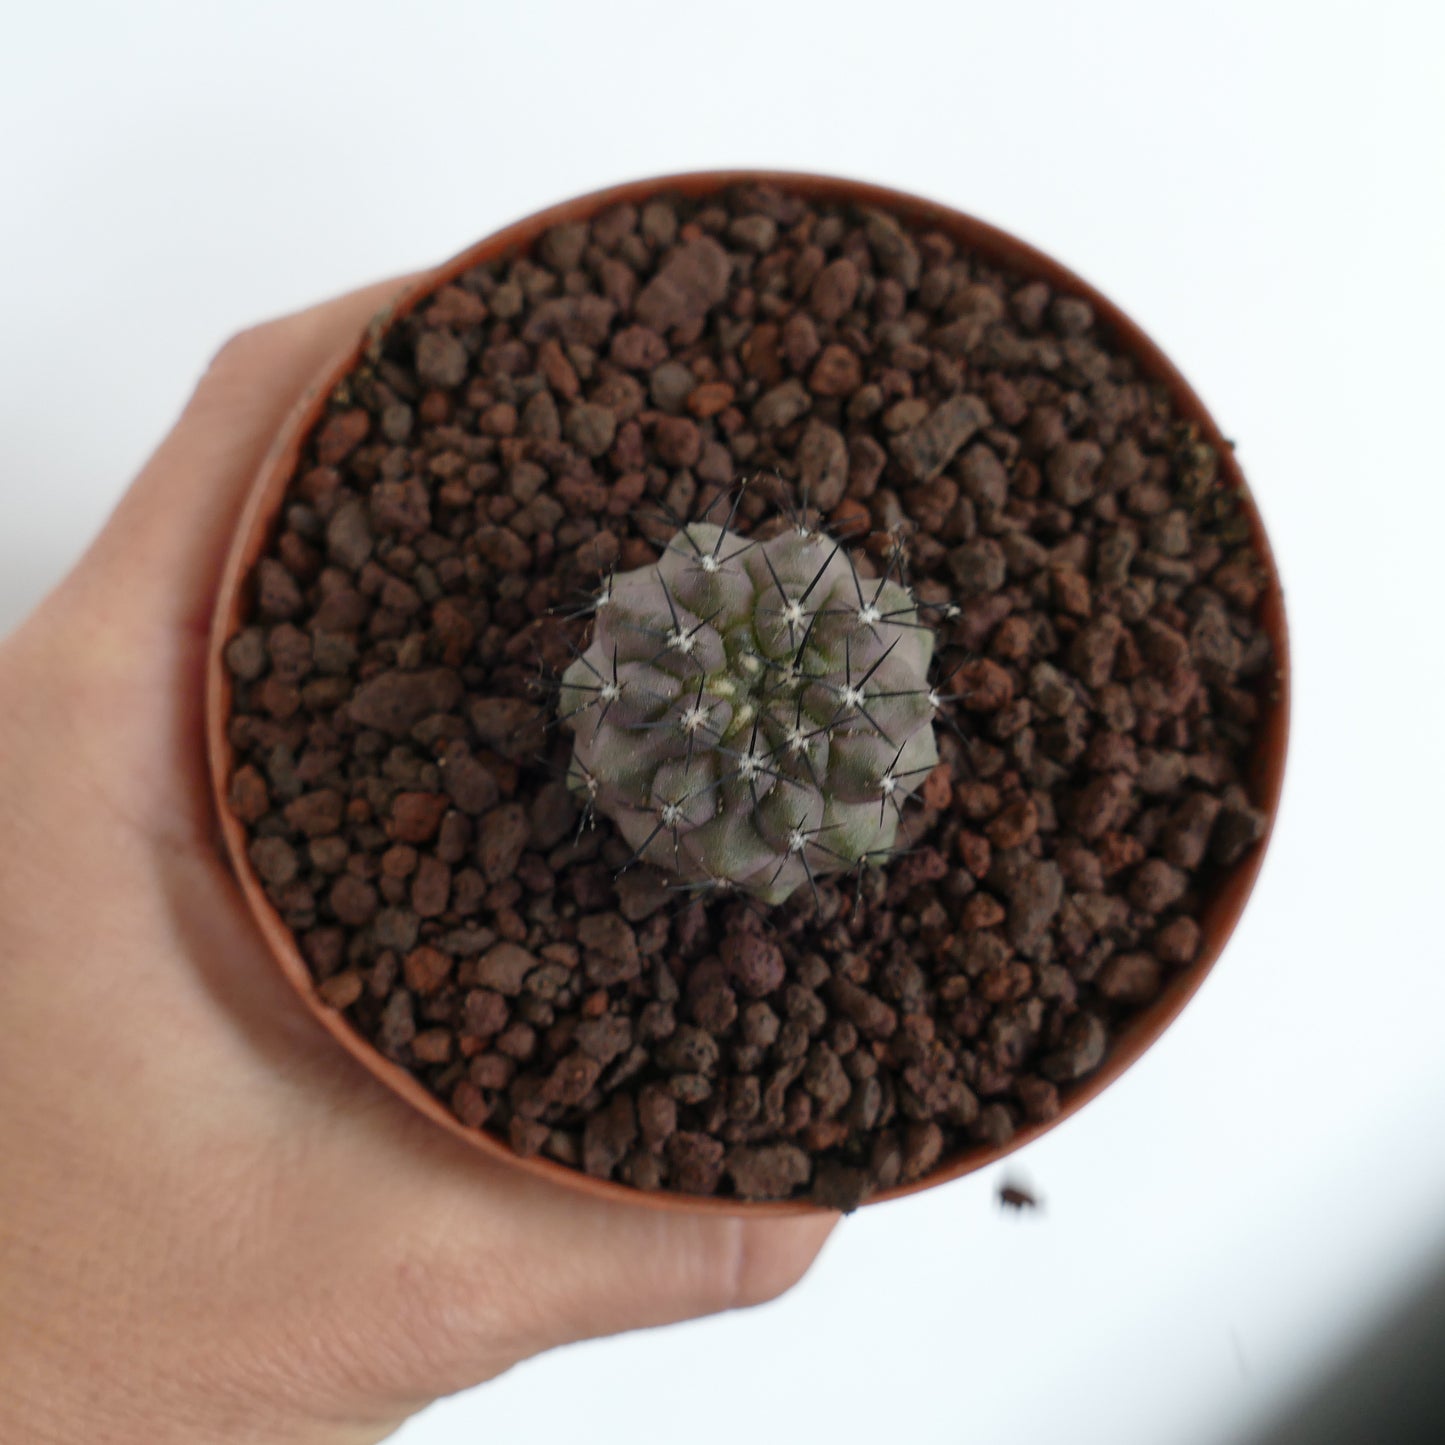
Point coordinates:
[(214, 1226)]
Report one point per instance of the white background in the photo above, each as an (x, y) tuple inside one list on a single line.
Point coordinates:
[(1260, 186)]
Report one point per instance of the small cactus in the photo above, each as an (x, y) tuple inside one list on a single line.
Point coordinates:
[(752, 714)]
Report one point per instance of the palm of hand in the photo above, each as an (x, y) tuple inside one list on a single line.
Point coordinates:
[(212, 1222)]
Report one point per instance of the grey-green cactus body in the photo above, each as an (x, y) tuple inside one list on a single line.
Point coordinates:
[(752, 714)]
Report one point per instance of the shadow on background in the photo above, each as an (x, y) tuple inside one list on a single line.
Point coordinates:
[(1389, 1391)]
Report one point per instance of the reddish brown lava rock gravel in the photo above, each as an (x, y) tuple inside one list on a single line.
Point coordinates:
[(517, 437)]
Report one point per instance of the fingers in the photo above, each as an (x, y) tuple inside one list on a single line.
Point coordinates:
[(773, 1255), (157, 562), (508, 1266), (611, 1269), (634, 1268)]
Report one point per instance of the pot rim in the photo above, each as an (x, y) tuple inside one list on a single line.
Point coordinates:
[(255, 527)]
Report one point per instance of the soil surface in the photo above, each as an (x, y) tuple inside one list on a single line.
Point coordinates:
[(534, 426)]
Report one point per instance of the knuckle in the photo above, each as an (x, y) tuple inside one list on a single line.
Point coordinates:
[(240, 349), (768, 1257)]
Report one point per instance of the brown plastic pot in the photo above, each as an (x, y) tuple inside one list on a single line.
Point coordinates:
[(257, 525)]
